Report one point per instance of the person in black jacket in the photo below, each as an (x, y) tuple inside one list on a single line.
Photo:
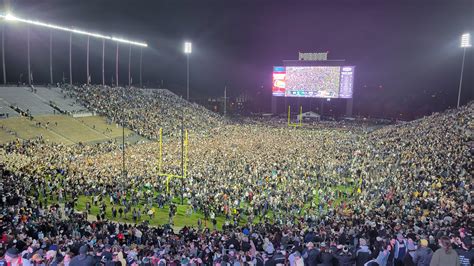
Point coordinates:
[(279, 257), (344, 257), (325, 258), (465, 252), (422, 256), (363, 254), (310, 255), (83, 259)]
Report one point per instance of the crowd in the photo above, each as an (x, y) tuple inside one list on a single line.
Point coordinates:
[(400, 195), (144, 110)]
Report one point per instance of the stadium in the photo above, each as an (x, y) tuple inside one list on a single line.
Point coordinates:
[(128, 151)]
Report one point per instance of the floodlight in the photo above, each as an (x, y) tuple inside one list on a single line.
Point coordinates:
[(187, 47), (465, 43), (11, 17), (466, 40)]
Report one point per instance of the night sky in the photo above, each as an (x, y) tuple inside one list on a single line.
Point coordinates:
[(406, 52)]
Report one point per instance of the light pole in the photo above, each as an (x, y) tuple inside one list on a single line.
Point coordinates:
[(141, 58), (3, 55), (103, 58), (70, 58), (116, 65), (51, 57), (129, 59), (225, 100), (465, 43), (187, 51), (29, 63), (87, 62), (9, 17)]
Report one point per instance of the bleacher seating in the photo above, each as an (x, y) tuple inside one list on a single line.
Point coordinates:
[(59, 99), (38, 101), (5, 110), (23, 98)]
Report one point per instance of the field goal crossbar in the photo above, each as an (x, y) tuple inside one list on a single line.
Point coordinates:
[(300, 119), (184, 160)]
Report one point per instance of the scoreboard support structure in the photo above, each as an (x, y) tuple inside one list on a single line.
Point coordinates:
[(349, 105), (274, 105), (278, 102)]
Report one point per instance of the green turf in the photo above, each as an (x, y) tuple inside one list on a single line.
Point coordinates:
[(99, 124), (181, 218), (5, 136), (27, 129), (68, 131), (70, 128), (160, 218)]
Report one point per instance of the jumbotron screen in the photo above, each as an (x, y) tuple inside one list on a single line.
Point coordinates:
[(313, 81)]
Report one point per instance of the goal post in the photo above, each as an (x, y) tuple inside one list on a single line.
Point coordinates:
[(184, 163), (300, 118)]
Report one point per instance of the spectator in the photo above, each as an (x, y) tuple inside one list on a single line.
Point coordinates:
[(363, 254), (423, 254), (344, 257), (326, 257), (445, 255), (83, 259), (465, 252), (310, 255), (12, 257), (400, 249)]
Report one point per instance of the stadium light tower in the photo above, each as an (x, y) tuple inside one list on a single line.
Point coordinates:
[(117, 65), (28, 55), (70, 58), (129, 59), (465, 43), (103, 60), (11, 18), (51, 57), (87, 63), (187, 51), (141, 58), (3, 55)]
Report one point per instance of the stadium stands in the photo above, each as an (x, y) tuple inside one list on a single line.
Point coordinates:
[(38, 100), (145, 111), (315, 195), (5, 109), (55, 96), (25, 99)]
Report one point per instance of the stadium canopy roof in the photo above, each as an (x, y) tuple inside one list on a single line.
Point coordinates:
[(13, 18)]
